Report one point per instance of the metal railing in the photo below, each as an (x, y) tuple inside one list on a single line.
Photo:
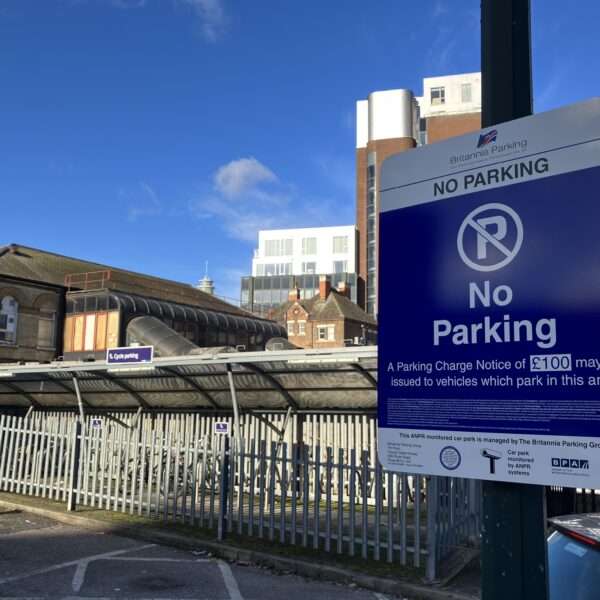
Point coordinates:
[(330, 499), (90, 280)]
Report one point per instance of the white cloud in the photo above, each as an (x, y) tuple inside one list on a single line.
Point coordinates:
[(440, 56), (211, 17), (146, 199), (248, 197), (438, 10), (241, 177)]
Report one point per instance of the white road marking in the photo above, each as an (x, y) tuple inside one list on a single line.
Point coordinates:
[(79, 575), (230, 582), (71, 563), (146, 559)]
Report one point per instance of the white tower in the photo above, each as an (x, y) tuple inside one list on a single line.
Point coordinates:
[(205, 284)]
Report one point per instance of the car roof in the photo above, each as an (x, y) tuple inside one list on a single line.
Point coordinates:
[(586, 525)]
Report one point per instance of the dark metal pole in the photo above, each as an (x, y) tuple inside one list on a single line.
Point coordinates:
[(73, 495), (223, 489), (515, 563), (505, 61)]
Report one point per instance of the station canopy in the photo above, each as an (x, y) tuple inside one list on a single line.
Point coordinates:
[(303, 380)]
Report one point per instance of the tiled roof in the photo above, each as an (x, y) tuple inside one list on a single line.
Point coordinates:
[(45, 267), (335, 307)]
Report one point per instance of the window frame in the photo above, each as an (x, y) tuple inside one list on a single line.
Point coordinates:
[(344, 243), (464, 87), (306, 249), (326, 332), (437, 95), (12, 327)]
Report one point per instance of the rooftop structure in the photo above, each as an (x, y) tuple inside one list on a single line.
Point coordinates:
[(394, 121)]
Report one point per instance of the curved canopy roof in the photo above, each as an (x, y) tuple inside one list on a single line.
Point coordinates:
[(161, 308), (343, 378)]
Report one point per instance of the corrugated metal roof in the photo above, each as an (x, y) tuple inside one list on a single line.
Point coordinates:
[(340, 378)]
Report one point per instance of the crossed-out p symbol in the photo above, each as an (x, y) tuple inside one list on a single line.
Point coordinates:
[(490, 237)]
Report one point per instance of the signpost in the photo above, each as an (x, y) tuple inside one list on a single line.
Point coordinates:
[(489, 295), (132, 355), (221, 428)]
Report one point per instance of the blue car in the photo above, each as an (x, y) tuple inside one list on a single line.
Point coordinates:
[(574, 557)]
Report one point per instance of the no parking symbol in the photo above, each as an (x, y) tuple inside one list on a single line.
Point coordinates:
[(490, 237)]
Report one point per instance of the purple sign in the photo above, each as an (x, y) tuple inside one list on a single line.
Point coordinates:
[(132, 355)]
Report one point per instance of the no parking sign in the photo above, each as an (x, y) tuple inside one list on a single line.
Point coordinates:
[(489, 303)]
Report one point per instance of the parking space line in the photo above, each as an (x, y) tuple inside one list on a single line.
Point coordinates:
[(146, 559), (79, 575), (230, 582), (71, 563)]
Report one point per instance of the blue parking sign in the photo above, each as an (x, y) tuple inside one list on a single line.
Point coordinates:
[(489, 303)]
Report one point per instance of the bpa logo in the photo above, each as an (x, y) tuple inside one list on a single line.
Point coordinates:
[(571, 463)]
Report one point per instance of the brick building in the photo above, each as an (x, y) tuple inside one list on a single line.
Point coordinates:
[(327, 320), (55, 306), (395, 121)]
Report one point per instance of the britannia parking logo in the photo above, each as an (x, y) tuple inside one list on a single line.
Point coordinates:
[(487, 138)]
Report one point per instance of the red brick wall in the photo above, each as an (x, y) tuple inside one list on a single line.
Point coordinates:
[(383, 148), (447, 126)]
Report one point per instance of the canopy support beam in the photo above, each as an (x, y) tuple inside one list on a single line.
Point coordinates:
[(191, 382), (288, 398), (236, 411)]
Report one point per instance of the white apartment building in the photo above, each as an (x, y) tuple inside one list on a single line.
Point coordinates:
[(308, 251), (450, 94)]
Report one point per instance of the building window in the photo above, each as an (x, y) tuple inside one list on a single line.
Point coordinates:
[(465, 92), (340, 266), (271, 269), (340, 244), (9, 312), (309, 268), (438, 95), (423, 131), (46, 330), (309, 246), (290, 327), (301, 327), (325, 333), (278, 247)]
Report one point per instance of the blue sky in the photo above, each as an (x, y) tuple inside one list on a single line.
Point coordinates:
[(153, 135)]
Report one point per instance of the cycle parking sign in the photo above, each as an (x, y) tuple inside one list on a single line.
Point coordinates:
[(488, 302)]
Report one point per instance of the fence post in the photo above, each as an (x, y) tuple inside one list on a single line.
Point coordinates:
[(223, 491), (432, 506), (74, 476)]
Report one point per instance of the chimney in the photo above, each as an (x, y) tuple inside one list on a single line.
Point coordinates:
[(344, 289), (324, 287), (294, 293)]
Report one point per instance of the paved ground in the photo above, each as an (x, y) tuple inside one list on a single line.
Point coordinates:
[(43, 559)]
